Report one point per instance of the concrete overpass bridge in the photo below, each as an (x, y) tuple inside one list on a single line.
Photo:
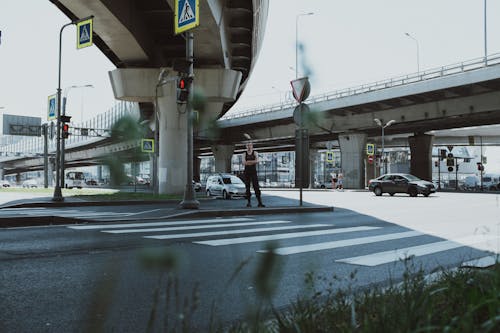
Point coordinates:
[(138, 37), (460, 95)]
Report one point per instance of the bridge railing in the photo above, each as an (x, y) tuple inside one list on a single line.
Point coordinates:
[(34, 146), (456, 68)]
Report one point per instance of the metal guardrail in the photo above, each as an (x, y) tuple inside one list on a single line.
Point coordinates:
[(457, 68), (33, 146)]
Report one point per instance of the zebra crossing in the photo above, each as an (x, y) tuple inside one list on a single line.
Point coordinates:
[(219, 232)]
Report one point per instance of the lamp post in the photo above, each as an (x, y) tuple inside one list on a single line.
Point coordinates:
[(297, 42), (383, 168), (418, 51), (63, 142), (485, 39)]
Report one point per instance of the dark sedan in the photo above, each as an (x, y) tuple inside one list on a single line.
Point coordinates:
[(401, 183)]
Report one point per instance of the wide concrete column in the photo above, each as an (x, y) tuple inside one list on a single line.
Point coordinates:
[(141, 85), (223, 155), (352, 149), (1, 173), (421, 155)]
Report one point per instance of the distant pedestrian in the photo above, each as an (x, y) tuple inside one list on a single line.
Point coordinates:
[(334, 181), (340, 180), (250, 160)]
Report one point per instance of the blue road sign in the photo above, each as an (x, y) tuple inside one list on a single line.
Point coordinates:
[(52, 107), (84, 34), (187, 15)]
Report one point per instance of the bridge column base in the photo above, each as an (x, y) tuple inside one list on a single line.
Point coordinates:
[(352, 148), (223, 155), (421, 155)]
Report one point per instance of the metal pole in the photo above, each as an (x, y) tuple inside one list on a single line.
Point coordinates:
[(63, 144), (57, 189), (189, 201), (481, 140), (297, 53), (45, 156), (382, 154), (485, 37)]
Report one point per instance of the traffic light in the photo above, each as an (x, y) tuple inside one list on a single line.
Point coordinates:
[(450, 161), (65, 126), (182, 90), (65, 131), (480, 166)]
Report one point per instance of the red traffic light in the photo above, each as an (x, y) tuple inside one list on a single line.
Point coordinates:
[(65, 130), (182, 84)]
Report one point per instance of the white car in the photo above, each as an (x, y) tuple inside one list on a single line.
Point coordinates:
[(30, 183), (225, 185)]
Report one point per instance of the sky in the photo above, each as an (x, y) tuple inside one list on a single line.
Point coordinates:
[(346, 43)]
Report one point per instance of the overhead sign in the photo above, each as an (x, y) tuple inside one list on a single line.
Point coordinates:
[(21, 125), (52, 107), (370, 149), (186, 15), (148, 145), (84, 34), (301, 89)]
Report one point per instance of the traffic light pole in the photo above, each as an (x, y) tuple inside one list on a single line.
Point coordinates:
[(57, 188), (189, 201)]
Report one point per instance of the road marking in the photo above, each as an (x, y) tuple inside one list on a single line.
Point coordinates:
[(251, 239), (154, 224), (482, 262), (342, 243), (234, 232), (385, 257), (243, 224)]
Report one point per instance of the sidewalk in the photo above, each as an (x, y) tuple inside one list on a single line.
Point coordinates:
[(208, 207)]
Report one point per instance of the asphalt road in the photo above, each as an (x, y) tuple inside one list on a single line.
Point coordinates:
[(101, 277)]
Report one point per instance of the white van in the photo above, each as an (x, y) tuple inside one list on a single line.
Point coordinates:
[(491, 181), (225, 185), (74, 179)]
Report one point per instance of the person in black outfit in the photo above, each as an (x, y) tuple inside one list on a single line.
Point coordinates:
[(250, 160)]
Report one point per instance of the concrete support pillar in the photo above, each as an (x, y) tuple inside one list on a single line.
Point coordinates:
[(172, 171), (421, 155), (223, 155), (196, 168), (352, 149), (1, 173), (99, 173), (142, 85)]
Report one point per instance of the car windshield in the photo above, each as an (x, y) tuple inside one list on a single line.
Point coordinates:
[(411, 178), (232, 180)]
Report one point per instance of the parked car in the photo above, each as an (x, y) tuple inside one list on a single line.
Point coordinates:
[(30, 183), (401, 183), (4, 183), (491, 182), (225, 185)]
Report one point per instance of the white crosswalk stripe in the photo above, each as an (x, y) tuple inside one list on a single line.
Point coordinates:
[(154, 224), (385, 257), (252, 239), (222, 225), (343, 243), (233, 232), (73, 213)]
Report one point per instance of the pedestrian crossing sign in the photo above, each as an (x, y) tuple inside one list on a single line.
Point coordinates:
[(329, 156), (84, 34), (370, 149), (52, 107), (148, 145), (186, 15)]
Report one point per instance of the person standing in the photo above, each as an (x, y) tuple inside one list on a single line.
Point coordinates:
[(250, 160), (340, 180), (334, 180)]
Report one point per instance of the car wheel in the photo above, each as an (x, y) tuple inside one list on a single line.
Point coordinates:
[(426, 194), (226, 195), (391, 194), (412, 192), (378, 191)]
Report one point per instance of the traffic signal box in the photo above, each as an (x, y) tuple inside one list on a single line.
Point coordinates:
[(65, 126), (182, 90)]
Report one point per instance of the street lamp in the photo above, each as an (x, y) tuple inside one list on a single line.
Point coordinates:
[(485, 35), (63, 142), (418, 51), (382, 126), (297, 41)]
